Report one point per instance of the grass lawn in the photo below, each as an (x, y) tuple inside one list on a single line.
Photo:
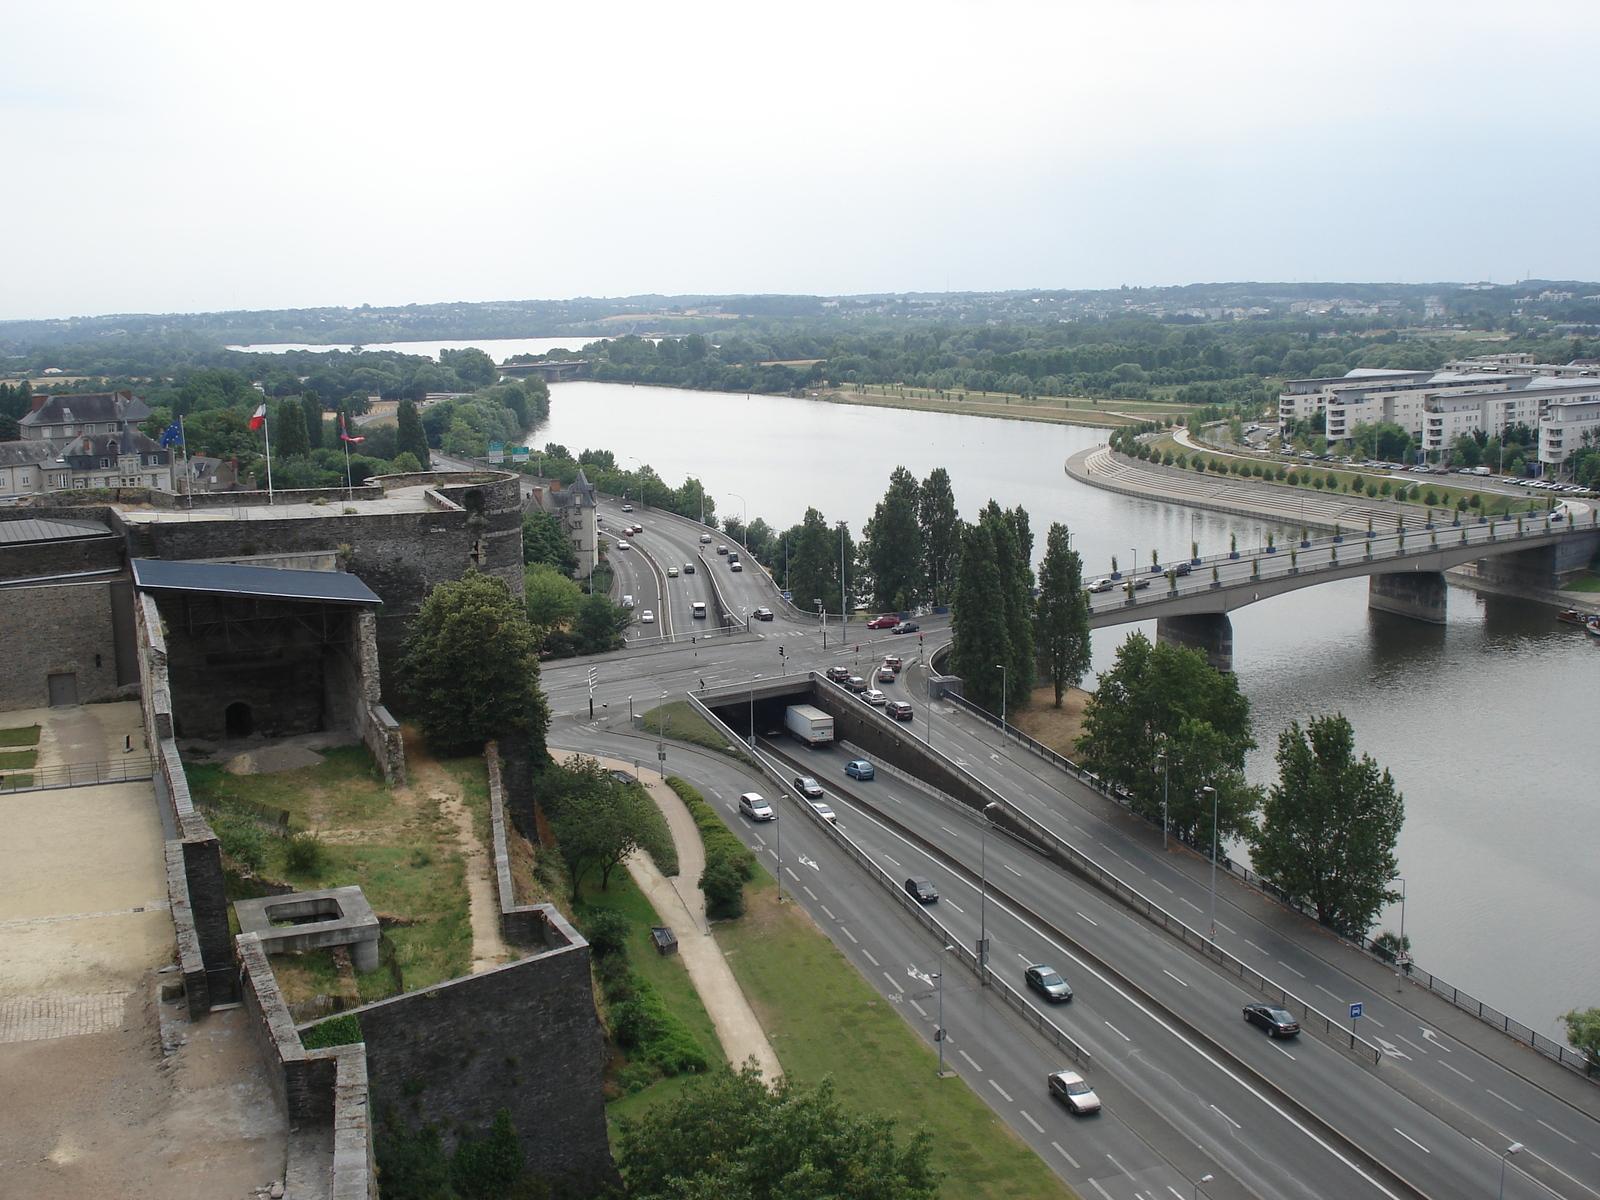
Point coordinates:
[(685, 725), (825, 1020), (1589, 583), (10, 760), (1059, 410), (399, 849), (25, 735)]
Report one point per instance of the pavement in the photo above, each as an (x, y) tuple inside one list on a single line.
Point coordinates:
[(682, 906)]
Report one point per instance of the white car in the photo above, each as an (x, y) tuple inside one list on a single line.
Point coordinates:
[(624, 546), (874, 697), (755, 806), (672, 572), (647, 617), (1103, 584), (627, 508), (823, 811)]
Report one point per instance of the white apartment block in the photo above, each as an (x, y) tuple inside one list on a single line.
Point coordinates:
[(1566, 426)]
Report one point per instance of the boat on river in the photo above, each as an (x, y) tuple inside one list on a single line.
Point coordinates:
[(1571, 616), (1592, 624)]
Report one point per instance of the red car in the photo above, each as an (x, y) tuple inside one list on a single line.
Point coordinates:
[(887, 621)]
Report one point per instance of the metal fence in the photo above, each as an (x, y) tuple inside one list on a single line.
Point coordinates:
[(67, 775)]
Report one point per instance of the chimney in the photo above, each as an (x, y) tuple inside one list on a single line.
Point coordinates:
[(38, 400)]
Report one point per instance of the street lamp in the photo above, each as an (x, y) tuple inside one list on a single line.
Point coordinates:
[(1400, 955), (641, 481), (1161, 757), (1514, 1148), (661, 737), (1001, 667), (745, 540), (1213, 791), (1198, 1182), (983, 895), (937, 979)]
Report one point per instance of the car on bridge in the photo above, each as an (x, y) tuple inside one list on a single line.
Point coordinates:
[(874, 697), (1074, 1091), (892, 661), (1278, 1022), (1141, 583), (1048, 983), (647, 617), (688, 568), (860, 768), (856, 684), (705, 539), (1103, 584), (808, 787), (887, 621), (761, 614), (823, 811), (922, 891), (624, 546), (627, 508)]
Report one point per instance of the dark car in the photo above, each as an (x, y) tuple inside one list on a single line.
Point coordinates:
[(860, 768), (906, 627), (1140, 584), (688, 568), (1182, 568), (762, 614), (1048, 983), (1279, 1022), (722, 549), (899, 710), (838, 674), (922, 891), (808, 787), (887, 621), (886, 674), (856, 684), (892, 661)]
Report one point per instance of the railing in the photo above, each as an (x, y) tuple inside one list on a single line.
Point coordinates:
[(67, 775), (918, 912)]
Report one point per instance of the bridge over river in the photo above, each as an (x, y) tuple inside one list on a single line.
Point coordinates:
[(1405, 565)]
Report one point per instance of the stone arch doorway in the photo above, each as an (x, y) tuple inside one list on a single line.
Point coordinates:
[(238, 721)]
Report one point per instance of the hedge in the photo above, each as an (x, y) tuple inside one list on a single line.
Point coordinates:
[(729, 863)]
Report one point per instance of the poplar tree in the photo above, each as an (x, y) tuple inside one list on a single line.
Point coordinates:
[(940, 526), (410, 435), (1013, 590), (894, 546), (977, 622), (1062, 611), (311, 406), (1329, 826), (289, 432)]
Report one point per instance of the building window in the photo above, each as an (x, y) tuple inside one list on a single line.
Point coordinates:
[(25, 479)]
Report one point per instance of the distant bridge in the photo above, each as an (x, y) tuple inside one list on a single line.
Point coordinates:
[(1405, 565), (556, 371)]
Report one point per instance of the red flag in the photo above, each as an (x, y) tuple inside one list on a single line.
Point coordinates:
[(344, 434), (260, 419)]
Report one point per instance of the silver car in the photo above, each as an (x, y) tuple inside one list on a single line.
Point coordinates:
[(1074, 1091)]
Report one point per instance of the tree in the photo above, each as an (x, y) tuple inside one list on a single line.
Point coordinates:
[(289, 431), (940, 525), (412, 438), (1583, 1033), (470, 667), (551, 598), (729, 1136), (894, 546), (1062, 610), (311, 408), (1013, 549), (813, 563), (600, 624), (1329, 826), (1168, 699), (544, 542), (489, 1167), (596, 819), (978, 628)]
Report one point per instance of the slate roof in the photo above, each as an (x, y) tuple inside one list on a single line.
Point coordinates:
[(48, 529), (234, 579), (84, 407), (27, 453)]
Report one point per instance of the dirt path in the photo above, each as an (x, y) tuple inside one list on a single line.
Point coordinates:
[(426, 779)]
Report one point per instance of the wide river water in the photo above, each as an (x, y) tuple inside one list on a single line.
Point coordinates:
[(1482, 721)]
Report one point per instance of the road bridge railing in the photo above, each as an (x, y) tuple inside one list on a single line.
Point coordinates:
[(918, 912)]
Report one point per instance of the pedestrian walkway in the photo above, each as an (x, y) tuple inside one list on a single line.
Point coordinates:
[(681, 905)]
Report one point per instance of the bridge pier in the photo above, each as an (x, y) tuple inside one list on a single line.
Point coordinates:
[(1544, 566), (1417, 594), (1210, 632)]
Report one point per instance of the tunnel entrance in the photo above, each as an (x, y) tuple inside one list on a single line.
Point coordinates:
[(238, 721)]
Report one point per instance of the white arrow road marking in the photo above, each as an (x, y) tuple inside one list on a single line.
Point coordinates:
[(1434, 1038), (1391, 1049), (806, 862)]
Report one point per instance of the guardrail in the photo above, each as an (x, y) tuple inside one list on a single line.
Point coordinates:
[(68, 775), (917, 911)]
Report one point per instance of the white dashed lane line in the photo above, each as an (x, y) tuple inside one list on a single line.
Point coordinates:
[(867, 954), (1003, 1092)]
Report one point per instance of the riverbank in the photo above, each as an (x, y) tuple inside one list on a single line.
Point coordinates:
[(1066, 410)]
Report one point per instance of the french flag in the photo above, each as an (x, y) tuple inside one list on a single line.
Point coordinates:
[(344, 434), (260, 419)]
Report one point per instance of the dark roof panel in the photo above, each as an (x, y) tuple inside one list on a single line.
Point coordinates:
[(47, 529), (235, 580)]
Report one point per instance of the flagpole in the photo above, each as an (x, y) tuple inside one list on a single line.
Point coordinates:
[(266, 429), (344, 437), (188, 461)]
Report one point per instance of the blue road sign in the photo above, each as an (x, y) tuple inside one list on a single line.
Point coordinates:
[(1355, 1011)]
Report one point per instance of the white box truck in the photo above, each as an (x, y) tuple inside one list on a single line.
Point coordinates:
[(811, 725)]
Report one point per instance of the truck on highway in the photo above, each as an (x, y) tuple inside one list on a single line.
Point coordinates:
[(811, 725)]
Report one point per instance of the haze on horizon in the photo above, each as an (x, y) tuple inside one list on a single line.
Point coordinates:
[(174, 156)]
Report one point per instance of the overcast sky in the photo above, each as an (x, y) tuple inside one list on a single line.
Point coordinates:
[(173, 155)]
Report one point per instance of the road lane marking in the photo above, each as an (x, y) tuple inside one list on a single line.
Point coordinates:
[(867, 954), (948, 830), (1463, 1074), (828, 910), (1375, 1021), (1325, 991), (890, 859), (1170, 975), (1191, 904), (1556, 1131), (1434, 1038), (1225, 929), (1012, 869), (918, 1007), (1253, 946), (975, 1066), (1503, 1100), (808, 891), (1287, 967), (792, 875), (1096, 924), (1124, 1170), (758, 837), (1030, 1120), (1118, 1032), (1096, 1184), (1002, 1091), (892, 982), (845, 929), (1281, 1050), (1411, 1139), (955, 906), (1025, 958), (1163, 887), (1068, 1157), (1224, 1116), (1410, 1043)]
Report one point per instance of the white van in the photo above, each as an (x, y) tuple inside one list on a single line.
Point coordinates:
[(699, 610)]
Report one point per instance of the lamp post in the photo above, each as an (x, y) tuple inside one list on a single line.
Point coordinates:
[(778, 837), (745, 527), (1514, 1148), (1401, 957), (983, 896), (937, 979), (1213, 791), (1198, 1182), (1001, 667), (641, 481), (661, 737), (1161, 757)]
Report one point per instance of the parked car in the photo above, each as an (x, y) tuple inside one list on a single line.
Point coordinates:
[(886, 674), (860, 768), (892, 661), (647, 617), (688, 568), (1103, 584), (922, 891), (672, 572), (761, 614), (855, 683), (874, 697), (755, 806), (1278, 1022), (838, 674), (808, 787), (899, 710), (906, 627), (1074, 1091), (1048, 983), (887, 621)]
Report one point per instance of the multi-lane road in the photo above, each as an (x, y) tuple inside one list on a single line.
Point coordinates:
[(1191, 1089)]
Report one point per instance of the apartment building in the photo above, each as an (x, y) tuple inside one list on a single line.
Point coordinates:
[(1566, 426)]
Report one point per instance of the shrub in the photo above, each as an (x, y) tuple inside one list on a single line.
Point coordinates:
[(1316, 482), (305, 854), (243, 841), (487, 1169), (723, 885), (1294, 479), (608, 932), (342, 1030), (1333, 482), (1431, 499)]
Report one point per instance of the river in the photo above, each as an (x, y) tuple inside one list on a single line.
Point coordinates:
[(1482, 721), (498, 349)]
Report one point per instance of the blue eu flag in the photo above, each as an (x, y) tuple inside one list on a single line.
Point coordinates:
[(171, 435)]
